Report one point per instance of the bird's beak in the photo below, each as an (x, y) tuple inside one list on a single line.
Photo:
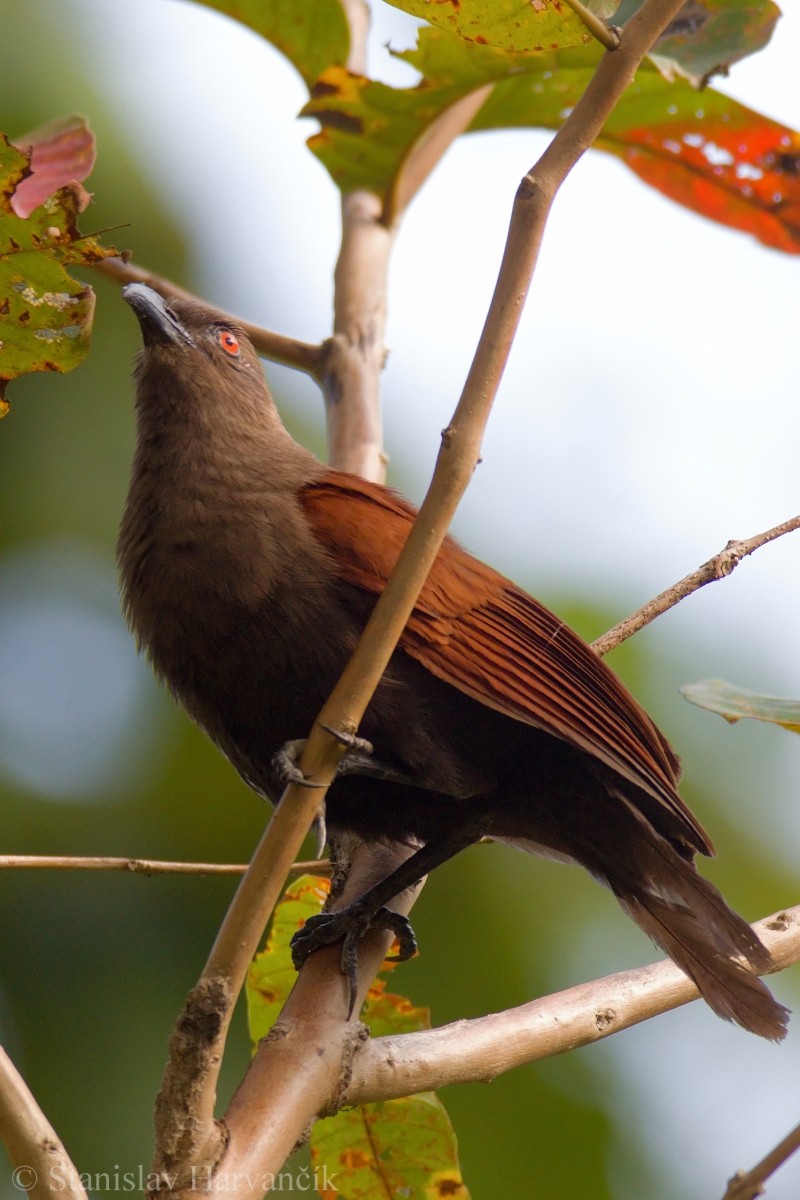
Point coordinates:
[(157, 320)]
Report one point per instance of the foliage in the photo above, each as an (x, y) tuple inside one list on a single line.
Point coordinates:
[(47, 316)]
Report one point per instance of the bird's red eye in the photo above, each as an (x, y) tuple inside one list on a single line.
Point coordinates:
[(229, 342)]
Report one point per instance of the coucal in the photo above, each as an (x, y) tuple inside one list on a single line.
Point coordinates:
[(248, 571)]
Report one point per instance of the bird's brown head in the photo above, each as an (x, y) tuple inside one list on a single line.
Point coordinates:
[(196, 361)]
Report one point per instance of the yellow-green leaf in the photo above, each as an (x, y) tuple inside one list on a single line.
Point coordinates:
[(733, 703), (507, 24), (272, 974), (395, 1148), (46, 315)]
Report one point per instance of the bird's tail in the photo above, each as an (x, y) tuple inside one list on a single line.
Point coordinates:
[(688, 918)]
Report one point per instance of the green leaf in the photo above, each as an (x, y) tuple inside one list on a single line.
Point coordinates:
[(506, 24), (47, 316), (709, 36), (313, 34), (705, 151), (271, 976), (733, 703), (395, 1148), (404, 1147)]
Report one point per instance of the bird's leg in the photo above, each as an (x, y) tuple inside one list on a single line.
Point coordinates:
[(358, 760), (370, 911)]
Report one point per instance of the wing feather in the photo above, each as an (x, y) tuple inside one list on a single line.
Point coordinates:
[(483, 635)]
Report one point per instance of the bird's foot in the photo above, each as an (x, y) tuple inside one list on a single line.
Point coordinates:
[(284, 764), (351, 923), (358, 760)]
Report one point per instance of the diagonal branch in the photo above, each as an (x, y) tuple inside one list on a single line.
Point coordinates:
[(718, 567), (41, 1164), (746, 1185)]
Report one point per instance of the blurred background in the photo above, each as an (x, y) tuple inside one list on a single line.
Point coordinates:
[(648, 415)]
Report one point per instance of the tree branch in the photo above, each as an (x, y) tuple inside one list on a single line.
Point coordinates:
[(718, 567), (746, 1185), (480, 1049), (143, 866), (288, 351), (41, 1164)]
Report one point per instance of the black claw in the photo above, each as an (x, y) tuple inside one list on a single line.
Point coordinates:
[(351, 923), (402, 929), (350, 740), (285, 768)]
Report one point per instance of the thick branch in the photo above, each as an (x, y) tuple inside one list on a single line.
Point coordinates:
[(351, 379), (41, 1164), (480, 1049), (289, 351), (718, 567), (300, 1067)]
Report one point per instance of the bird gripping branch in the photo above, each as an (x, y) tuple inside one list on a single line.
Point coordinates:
[(248, 572)]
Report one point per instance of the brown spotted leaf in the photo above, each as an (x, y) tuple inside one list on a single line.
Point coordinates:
[(45, 315), (507, 24)]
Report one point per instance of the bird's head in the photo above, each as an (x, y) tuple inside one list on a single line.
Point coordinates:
[(195, 361)]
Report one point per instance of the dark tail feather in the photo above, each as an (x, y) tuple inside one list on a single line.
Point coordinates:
[(686, 915), (727, 986)]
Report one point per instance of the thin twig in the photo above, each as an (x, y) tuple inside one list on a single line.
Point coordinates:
[(41, 1163), (142, 866), (718, 567), (292, 353), (746, 1185), (482, 1048)]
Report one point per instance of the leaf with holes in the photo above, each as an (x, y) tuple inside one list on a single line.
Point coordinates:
[(47, 316), (734, 703), (61, 153), (712, 155), (702, 150)]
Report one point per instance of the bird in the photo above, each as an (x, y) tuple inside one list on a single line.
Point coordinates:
[(248, 570)]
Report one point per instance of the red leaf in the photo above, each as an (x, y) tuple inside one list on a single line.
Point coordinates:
[(735, 167), (62, 152)]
